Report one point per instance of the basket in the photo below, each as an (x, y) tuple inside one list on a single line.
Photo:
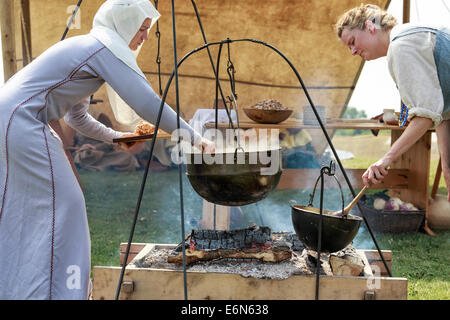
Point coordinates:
[(389, 221)]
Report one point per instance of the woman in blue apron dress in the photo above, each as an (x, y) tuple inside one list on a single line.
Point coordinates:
[(418, 58)]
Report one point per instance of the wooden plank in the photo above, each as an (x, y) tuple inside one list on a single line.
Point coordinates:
[(360, 124), (222, 220), (8, 38), (161, 135), (374, 255), (417, 160), (157, 284), (305, 179), (378, 267), (376, 263), (135, 248)]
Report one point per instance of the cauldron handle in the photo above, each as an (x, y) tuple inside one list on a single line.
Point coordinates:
[(236, 150), (311, 196)]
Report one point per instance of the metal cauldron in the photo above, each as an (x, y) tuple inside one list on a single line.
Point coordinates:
[(242, 178), (337, 231)]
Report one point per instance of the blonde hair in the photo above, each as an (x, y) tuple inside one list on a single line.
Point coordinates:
[(357, 17)]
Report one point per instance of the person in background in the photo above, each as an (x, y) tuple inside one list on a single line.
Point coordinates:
[(297, 149), (418, 58), (44, 234)]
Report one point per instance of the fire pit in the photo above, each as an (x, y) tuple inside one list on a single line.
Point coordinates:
[(266, 265)]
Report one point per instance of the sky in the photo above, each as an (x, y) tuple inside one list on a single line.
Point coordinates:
[(375, 89)]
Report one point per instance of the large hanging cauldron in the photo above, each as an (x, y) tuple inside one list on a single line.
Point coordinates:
[(239, 180), (337, 231)]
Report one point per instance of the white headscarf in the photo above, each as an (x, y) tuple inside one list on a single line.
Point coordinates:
[(115, 25), (117, 22)]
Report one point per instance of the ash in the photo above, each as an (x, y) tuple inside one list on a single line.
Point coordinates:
[(302, 262)]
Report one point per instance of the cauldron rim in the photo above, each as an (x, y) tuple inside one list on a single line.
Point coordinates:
[(337, 232), (326, 213)]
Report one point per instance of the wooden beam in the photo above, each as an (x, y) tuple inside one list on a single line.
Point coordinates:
[(406, 10), (8, 38), (26, 32), (417, 160)]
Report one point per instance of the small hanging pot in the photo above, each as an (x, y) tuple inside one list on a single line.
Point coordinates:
[(337, 231)]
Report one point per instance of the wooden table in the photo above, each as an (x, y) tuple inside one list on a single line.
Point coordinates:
[(408, 177)]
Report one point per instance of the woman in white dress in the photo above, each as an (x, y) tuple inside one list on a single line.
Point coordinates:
[(419, 62), (44, 235)]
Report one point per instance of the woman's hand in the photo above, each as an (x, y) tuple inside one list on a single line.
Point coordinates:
[(376, 172), (132, 145), (208, 146), (415, 130)]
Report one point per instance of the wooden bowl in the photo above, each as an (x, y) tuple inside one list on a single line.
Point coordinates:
[(267, 116)]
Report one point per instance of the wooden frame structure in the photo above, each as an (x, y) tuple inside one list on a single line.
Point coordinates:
[(159, 284)]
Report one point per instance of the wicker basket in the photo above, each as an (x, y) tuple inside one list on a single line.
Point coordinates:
[(389, 221)]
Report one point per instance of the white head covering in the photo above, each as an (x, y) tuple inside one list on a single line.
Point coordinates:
[(115, 25), (117, 22)]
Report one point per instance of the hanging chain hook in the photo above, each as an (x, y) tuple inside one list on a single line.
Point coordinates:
[(329, 171), (158, 57), (231, 71)]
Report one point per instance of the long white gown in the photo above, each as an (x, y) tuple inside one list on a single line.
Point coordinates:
[(44, 235)]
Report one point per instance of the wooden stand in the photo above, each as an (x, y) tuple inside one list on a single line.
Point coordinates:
[(159, 284), (222, 221)]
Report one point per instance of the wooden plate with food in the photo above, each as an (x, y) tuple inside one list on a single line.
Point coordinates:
[(134, 138), (143, 131)]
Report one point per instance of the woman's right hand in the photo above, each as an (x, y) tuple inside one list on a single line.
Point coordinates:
[(376, 172), (208, 146)]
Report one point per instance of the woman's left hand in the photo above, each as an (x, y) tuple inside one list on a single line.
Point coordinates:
[(376, 172)]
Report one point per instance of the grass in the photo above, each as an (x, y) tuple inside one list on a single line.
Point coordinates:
[(111, 199), (422, 259)]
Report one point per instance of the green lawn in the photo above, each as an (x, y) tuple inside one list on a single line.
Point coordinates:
[(111, 199)]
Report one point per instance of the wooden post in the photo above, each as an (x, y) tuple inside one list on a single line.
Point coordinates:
[(406, 10), (26, 32), (417, 160), (223, 214), (8, 38)]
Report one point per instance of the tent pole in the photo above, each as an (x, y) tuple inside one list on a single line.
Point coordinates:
[(26, 31), (406, 10), (8, 38)]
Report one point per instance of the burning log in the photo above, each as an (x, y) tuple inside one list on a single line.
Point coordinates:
[(273, 254), (250, 243), (238, 238)]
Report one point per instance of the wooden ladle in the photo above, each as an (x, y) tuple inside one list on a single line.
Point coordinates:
[(347, 209)]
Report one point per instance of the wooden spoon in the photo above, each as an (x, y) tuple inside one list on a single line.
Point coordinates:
[(351, 204)]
